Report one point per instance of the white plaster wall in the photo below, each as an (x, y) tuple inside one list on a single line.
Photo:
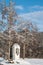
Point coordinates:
[(15, 56)]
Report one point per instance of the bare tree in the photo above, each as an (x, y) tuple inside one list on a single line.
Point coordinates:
[(26, 27)]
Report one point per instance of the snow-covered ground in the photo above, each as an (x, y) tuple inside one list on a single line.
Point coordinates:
[(34, 61), (16, 62), (23, 62)]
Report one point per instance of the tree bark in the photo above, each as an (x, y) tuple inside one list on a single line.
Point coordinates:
[(23, 51), (9, 49)]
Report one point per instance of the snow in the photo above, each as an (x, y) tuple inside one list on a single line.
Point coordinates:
[(35, 61), (26, 61), (16, 62)]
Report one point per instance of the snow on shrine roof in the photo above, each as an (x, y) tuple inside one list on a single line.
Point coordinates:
[(16, 45)]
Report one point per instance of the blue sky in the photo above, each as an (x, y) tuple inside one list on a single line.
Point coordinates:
[(31, 10)]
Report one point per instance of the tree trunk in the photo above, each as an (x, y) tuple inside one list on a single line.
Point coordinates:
[(23, 51), (9, 49)]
